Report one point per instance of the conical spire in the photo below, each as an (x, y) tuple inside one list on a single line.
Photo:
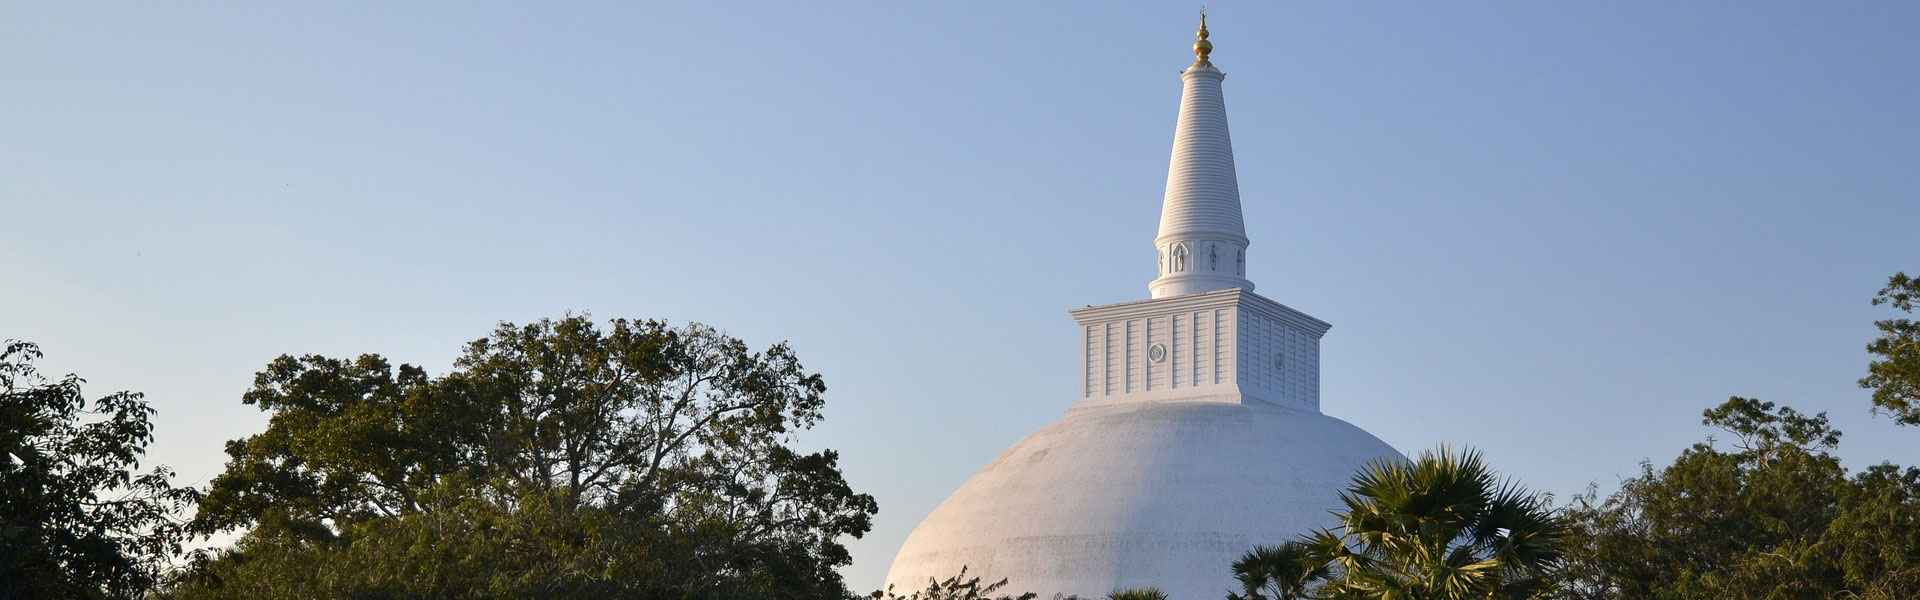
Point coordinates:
[(1202, 241)]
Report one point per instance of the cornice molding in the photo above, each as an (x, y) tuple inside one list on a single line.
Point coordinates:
[(1203, 301)]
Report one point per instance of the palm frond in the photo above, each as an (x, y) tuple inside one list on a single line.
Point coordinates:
[(1441, 527)]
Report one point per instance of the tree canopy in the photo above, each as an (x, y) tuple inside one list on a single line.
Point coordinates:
[(557, 459), (1894, 376), (77, 519), (1773, 516)]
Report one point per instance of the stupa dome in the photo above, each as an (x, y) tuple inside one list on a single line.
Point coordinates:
[(1197, 434), (1156, 494)]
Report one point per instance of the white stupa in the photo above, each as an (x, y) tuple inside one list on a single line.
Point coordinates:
[(1197, 434)]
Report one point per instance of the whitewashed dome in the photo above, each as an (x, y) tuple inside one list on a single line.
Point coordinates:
[(1197, 433), (1166, 495)]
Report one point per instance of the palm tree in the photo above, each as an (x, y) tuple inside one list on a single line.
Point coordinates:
[(1283, 572), (1145, 593), (1440, 528)]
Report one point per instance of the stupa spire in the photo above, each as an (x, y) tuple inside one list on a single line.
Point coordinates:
[(1202, 47), (1196, 423), (1202, 241)]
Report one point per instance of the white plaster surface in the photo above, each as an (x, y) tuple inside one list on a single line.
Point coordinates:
[(1202, 241), (1161, 494), (1228, 345)]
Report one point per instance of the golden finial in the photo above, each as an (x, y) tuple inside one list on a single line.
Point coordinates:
[(1203, 47)]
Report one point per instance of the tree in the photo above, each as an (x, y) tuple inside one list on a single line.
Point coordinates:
[(1278, 572), (1141, 593), (76, 520), (957, 587), (1439, 528), (557, 459), (1895, 376), (1774, 517)]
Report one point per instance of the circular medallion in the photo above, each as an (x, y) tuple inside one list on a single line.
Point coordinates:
[(1157, 353), (1279, 360)]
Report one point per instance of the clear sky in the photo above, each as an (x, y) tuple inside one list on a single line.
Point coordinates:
[(1553, 231)]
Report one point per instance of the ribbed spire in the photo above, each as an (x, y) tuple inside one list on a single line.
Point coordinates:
[(1202, 241)]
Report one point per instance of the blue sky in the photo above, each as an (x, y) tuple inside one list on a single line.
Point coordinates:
[(1555, 232)]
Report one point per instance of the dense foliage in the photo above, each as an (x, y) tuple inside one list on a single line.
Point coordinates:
[(77, 519), (557, 460), (1773, 517), (1894, 376), (1439, 528)]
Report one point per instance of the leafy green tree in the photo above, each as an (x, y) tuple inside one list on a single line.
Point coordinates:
[(1773, 517), (76, 519), (1874, 537), (1895, 376), (1438, 528), (557, 460)]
